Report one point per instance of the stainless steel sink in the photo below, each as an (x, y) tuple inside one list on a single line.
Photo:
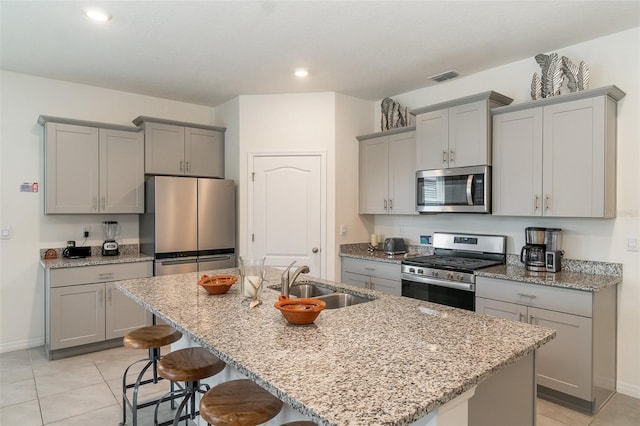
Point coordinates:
[(332, 298), (309, 290), (341, 300)]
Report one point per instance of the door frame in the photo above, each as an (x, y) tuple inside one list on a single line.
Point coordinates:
[(323, 198)]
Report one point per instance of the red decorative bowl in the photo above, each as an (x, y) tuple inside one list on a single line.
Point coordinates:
[(217, 284), (300, 311)]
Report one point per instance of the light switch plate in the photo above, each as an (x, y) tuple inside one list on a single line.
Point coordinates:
[(632, 244), (5, 233)]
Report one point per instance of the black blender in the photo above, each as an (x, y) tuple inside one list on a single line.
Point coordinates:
[(110, 246)]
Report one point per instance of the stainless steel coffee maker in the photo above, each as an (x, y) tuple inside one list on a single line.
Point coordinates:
[(554, 252), (534, 252)]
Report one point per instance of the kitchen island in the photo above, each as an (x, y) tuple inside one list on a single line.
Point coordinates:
[(392, 360)]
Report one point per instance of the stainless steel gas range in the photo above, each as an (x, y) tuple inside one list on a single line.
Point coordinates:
[(447, 277)]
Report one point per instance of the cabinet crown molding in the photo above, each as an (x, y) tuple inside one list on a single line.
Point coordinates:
[(387, 132), (140, 120), (44, 119), (488, 96), (614, 92)]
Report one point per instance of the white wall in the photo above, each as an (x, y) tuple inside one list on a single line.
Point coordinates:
[(288, 123), (23, 99), (612, 60), (352, 119)]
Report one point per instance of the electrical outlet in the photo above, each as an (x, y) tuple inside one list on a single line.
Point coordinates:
[(85, 231)]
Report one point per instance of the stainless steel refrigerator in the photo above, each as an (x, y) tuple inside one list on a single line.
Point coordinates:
[(188, 224)]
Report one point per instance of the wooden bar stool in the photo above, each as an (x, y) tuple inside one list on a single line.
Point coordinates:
[(188, 365), (238, 402), (151, 338)]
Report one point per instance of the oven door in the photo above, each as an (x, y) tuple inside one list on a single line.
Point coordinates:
[(454, 294)]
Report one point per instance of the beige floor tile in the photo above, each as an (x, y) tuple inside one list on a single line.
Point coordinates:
[(16, 393), (60, 365), (25, 414), (145, 392), (562, 414), (621, 410), (38, 355), (115, 368), (76, 378), (547, 421), (15, 374), (75, 402), (15, 359), (107, 416)]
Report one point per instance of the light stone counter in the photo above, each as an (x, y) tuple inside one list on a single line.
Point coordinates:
[(380, 362)]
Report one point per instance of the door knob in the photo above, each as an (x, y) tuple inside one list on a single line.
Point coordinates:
[(315, 249)]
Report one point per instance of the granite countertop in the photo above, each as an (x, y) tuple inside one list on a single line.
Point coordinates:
[(63, 262), (564, 279), (389, 361), (576, 274)]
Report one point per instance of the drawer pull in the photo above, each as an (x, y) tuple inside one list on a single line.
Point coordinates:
[(520, 315), (530, 296), (531, 319), (369, 268)]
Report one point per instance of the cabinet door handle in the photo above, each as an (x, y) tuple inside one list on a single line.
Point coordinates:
[(536, 202), (444, 156), (530, 296), (385, 203), (547, 202), (94, 203), (181, 165), (390, 204), (451, 156), (102, 202), (520, 316), (109, 295), (531, 319), (100, 296), (188, 166)]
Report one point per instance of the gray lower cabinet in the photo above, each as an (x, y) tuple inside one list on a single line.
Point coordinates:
[(84, 309), (380, 276), (578, 366)]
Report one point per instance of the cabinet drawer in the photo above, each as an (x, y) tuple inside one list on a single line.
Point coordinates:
[(554, 298), (99, 273), (389, 271)]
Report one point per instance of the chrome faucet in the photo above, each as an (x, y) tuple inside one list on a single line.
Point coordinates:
[(286, 282)]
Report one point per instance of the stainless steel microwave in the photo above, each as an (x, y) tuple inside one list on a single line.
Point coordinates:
[(455, 190)]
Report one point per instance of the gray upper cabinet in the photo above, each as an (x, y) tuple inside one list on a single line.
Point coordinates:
[(557, 157), (182, 149), (456, 133), (92, 167), (387, 172)]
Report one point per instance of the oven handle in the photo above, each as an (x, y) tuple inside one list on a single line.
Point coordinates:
[(441, 283), (469, 187)]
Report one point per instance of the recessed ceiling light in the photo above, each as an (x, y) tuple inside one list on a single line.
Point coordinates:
[(301, 72), (97, 15)]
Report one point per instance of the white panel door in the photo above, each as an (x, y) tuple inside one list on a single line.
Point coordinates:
[(285, 210)]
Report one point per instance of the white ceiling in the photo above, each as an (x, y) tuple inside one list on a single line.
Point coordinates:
[(207, 52)]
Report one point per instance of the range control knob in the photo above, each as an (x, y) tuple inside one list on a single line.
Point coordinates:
[(460, 277), (412, 270), (434, 273), (449, 275), (421, 271)]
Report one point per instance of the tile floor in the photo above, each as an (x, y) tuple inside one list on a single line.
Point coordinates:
[(84, 390)]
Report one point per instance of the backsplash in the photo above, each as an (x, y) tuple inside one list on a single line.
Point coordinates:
[(582, 266), (97, 250)]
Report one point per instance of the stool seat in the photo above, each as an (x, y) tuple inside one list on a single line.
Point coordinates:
[(238, 402), (189, 365), (153, 336)]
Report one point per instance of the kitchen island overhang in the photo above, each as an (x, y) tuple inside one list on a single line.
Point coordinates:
[(392, 360)]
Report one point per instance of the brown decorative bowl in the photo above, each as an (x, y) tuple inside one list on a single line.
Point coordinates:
[(217, 284), (300, 311)]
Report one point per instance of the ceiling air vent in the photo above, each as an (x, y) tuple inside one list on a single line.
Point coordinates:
[(444, 76)]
